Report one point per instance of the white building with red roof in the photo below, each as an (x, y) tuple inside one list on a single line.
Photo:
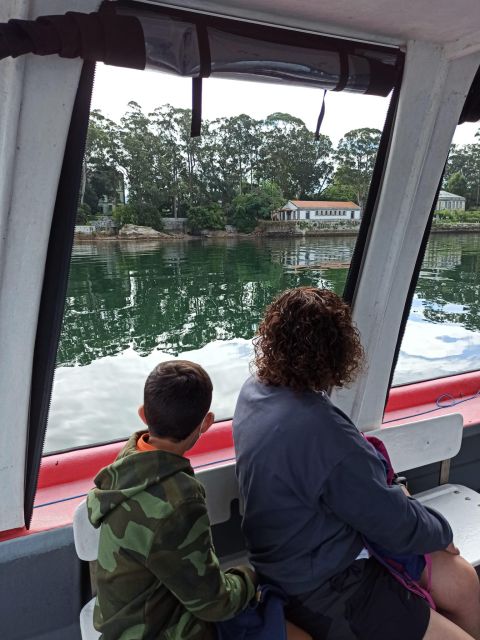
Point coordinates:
[(318, 210)]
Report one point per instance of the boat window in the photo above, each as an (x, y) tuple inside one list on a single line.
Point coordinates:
[(442, 335), (181, 242)]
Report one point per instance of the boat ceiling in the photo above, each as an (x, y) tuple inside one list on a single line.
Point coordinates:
[(388, 21)]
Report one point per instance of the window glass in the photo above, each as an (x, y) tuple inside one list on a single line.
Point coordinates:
[(186, 249), (442, 336)]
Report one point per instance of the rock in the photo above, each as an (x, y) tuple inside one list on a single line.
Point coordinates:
[(135, 231)]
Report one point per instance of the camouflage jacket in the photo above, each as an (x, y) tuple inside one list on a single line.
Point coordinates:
[(158, 577)]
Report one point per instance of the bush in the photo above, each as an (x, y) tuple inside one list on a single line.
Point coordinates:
[(471, 216), (208, 216), (123, 214), (84, 213), (454, 216), (139, 213), (248, 208)]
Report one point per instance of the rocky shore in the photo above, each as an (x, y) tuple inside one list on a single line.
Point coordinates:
[(265, 229)]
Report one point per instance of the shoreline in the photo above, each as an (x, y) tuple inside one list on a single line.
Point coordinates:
[(271, 234)]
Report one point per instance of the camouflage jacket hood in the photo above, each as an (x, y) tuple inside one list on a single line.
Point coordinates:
[(158, 577), (124, 479)]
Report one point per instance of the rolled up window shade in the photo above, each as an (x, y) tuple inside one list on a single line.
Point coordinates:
[(195, 45), (248, 51)]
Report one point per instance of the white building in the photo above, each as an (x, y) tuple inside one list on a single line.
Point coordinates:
[(451, 201), (321, 210)]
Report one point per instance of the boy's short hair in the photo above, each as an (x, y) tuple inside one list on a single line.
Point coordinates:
[(177, 397)]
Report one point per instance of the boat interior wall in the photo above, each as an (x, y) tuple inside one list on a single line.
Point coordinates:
[(43, 587), (34, 121), (428, 112), (387, 21)]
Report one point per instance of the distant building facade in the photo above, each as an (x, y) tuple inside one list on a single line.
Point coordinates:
[(450, 201), (106, 205), (318, 210)]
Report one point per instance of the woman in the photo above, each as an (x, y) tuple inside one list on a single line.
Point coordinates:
[(315, 490)]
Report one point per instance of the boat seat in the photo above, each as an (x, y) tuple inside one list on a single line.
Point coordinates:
[(86, 539), (461, 507), (438, 440), (409, 445), (87, 629), (221, 489)]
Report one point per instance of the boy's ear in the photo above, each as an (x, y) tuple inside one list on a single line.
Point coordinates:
[(207, 422), (141, 413)]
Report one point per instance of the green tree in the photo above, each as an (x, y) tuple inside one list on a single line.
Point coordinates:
[(291, 157), (337, 191), (457, 184), (124, 214), (101, 175), (465, 161), (166, 172), (355, 157), (83, 213), (247, 208), (206, 217), (175, 158)]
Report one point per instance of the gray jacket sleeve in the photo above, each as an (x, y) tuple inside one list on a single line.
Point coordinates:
[(357, 493)]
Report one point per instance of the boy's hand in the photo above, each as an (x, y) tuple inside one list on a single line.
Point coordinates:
[(453, 549), (250, 573)]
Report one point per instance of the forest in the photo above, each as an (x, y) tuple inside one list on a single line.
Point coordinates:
[(237, 172)]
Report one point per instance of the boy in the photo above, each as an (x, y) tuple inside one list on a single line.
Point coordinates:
[(158, 576)]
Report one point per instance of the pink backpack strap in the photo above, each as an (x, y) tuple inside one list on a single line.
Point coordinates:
[(428, 567), (405, 580), (377, 444)]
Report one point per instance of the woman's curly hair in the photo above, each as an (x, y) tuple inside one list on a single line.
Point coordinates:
[(307, 340)]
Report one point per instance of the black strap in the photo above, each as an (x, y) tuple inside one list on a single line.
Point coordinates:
[(204, 72), (343, 79), (321, 115), (55, 284), (196, 127)]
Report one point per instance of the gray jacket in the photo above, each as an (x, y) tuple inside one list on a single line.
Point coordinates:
[(313, 486)]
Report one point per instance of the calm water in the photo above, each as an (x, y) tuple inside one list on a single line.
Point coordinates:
[(132, 305)]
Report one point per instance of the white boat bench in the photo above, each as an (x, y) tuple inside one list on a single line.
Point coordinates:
[(410, 446), (438, 440)]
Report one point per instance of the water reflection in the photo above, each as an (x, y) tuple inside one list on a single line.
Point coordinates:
[(180, 296), (130, 305), (443, 332)]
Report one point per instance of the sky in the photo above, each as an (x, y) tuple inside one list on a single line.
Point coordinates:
[(115, 87)]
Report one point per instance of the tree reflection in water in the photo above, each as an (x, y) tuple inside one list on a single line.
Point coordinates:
[(181, 296)]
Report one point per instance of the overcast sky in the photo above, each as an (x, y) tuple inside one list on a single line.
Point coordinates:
[(115, 87)]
